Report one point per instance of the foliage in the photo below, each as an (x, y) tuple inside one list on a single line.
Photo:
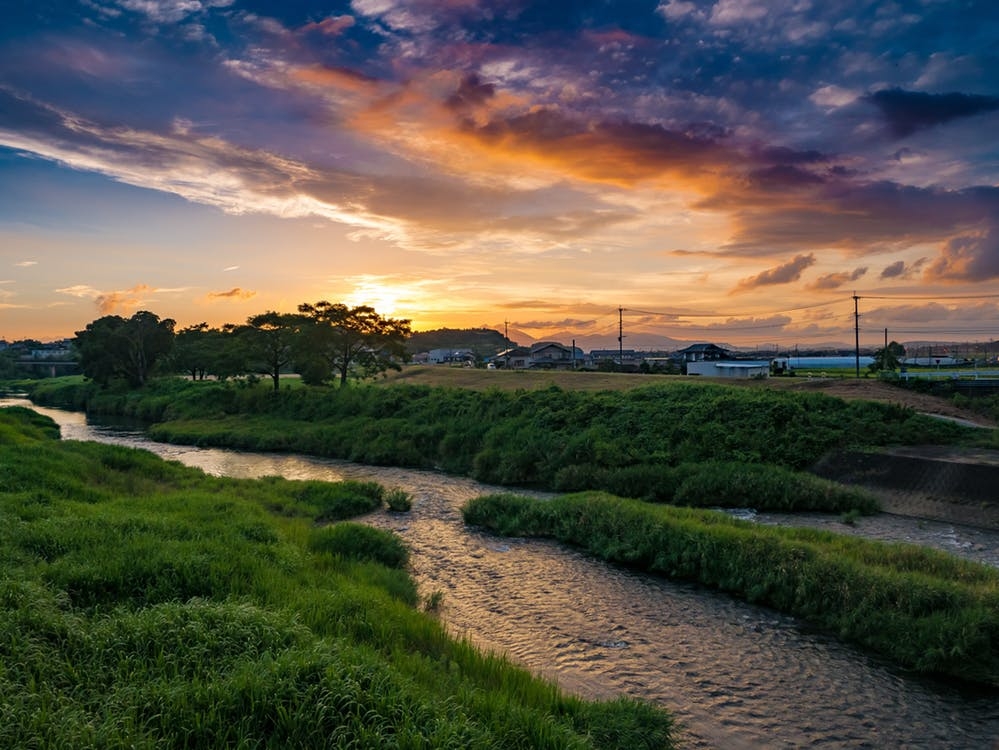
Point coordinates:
[(888, 358), (270, 340), (643, 443), (398, 500), (115, 347), (356, 541), (200, 351), (145, 604), (924, 609), (339, 341)]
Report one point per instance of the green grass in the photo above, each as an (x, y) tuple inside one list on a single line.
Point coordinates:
[(147, 605), (924, 609), (639, 442)]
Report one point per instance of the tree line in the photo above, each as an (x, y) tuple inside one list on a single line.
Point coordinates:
[(324, 342)]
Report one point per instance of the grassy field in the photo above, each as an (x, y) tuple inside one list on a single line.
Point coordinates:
[(146, 605)]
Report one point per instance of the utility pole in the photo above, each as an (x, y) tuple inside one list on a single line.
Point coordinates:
[(506, 331), (856, 332), (574, 354), (620, 338)]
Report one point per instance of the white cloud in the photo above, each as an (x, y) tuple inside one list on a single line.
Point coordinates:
[(26, 263), (171, 11), (833, 97), (82, 291), (732, 12), (676, 9)]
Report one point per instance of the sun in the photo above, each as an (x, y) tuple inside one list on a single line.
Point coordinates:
[(387, 298)]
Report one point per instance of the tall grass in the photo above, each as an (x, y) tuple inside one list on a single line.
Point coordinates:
[(144, 604), (633, 443), (924, 609)]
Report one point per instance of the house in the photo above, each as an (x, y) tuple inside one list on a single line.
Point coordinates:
[(450, 356), (703, 353), (730, 368), (516, 358), (550, 355)]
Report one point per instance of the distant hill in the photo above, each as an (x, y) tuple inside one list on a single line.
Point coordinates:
[(482, 341)]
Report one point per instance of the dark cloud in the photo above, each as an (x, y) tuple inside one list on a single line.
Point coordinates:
[(782, 274), (472, 92), (905, 112), (893, 270)]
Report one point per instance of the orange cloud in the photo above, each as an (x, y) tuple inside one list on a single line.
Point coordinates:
[(112, 303), (234, 293)]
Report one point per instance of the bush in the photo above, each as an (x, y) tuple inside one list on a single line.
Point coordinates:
[(398, 500), (356, 541), (768, 488)]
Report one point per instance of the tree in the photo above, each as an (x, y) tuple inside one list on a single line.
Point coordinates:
[(192, 351), (339, 341), (269, 341), (116, 347), (887, 359), (201, 351)]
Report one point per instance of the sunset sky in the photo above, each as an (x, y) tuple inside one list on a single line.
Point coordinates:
[(726, 170)]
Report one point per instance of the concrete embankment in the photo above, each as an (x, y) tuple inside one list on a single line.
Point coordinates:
[(936, 483)]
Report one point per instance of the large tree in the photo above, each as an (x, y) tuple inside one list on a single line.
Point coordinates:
[(269, 341), (129, 348), (341, 341), (200, 351)]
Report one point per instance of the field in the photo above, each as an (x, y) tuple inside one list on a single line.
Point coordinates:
[(869, 389)]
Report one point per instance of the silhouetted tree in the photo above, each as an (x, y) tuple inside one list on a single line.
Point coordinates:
[(268, 342), (113, 347), (339, 341)]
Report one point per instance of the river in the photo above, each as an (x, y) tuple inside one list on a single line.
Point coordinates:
[(735, 675)]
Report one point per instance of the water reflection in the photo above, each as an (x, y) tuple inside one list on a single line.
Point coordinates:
[(736, 676)]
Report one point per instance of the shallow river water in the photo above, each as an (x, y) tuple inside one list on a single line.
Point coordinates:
[(734, 675)]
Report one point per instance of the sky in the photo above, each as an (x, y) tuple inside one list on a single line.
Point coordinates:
[(748, 172)]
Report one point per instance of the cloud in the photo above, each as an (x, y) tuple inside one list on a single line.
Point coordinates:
[(549, 324), (234, 293), (676, 9), (80, 290), (906, 112), (230, 268), (902, 270), (331, 26), (26, 263), (968, 257), (782, 274), (171, 11), (111, 303), (836, 280)]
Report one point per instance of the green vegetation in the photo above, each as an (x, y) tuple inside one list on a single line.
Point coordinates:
[(924, 609), (644, 443), (146, 605)]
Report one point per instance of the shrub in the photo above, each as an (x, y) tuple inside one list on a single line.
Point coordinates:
[(356, 541), (398, 500)]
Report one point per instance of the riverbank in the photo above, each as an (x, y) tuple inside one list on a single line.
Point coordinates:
[(732, 673), (216, 613), (925, 610)]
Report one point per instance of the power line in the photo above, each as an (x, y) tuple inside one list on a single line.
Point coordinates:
[(936, 298), (738, 314)]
